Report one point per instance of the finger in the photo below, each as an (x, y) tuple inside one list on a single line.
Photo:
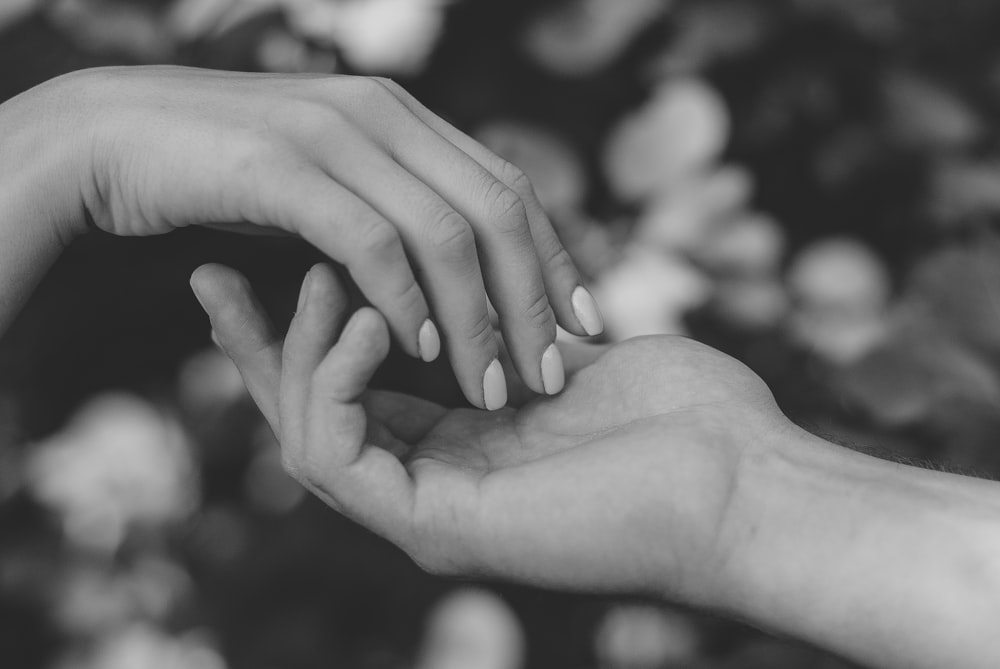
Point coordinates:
[(363, 481), (348, 230), (443, 247), (573, 304), (507, 253), (244, 331), (408, 418), (314, 329)]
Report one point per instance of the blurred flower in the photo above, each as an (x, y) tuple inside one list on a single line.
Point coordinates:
[(193, 19), (710, 30), (680, 131), (553, 168), (118, 463), (376, 36), (94, 599), (684, 217), (472, 629), (839, 336), (649, 293), (149, 647), (841, 289), (875, 18), (113, 26), (581, 37), (839, 273), (918, 369), (959, 288), (922, 114), (268, 486), (753, 303), (12, 11), (645, 637), (209, 381), (965, 190), (749, 244), (281, 51)]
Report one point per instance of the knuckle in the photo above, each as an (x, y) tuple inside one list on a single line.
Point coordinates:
[(557, 258), (506, 209), (451, 234), (480, 332), (379, 238), (515, 178), (410, 299), (539, 313)]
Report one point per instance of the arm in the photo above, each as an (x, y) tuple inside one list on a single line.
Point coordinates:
[(38, 181), (887, 564), (664, 468)]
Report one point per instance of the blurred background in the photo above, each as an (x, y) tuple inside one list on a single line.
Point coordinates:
[(809, 185)]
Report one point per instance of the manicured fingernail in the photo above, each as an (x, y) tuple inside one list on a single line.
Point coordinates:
[(553, 373), (428, 342), (304, 292), (494, 387), (585, 308)]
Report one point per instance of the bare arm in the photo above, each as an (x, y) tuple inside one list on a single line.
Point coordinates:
[(887, 564), (664, 468), (39, 184)]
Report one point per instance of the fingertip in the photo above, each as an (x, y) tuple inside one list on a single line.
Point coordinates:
[(494, 387), (367, 328), (429, 341), (587, 313)]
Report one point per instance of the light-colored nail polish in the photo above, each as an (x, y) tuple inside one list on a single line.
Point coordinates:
[(304, 292), (428, 342), (494, 387), (585, 308), (553, 372)]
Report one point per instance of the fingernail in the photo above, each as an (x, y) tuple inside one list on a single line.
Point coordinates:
[(553, 373), (494, 387), (216, 341), (428, 342), (585, 308), (304, 292)]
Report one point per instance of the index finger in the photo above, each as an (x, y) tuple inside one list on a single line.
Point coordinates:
[(574, 306)]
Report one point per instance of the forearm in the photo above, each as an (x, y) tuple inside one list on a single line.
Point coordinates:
[(39, 190), (885, 564)]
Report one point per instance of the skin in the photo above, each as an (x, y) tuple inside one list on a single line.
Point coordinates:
[(664, 468), (429, 223)]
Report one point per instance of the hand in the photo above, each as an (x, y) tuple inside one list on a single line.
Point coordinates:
[(428, 222), (621, 483)]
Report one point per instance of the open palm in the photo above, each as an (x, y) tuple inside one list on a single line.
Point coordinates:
[(544, 493)]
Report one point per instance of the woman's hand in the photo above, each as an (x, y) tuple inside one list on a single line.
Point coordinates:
[(428, 222), (621, 483)]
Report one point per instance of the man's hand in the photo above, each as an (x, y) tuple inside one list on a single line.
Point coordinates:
[(621, 483)]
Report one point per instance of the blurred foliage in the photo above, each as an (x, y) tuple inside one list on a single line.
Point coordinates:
[(810, 185)]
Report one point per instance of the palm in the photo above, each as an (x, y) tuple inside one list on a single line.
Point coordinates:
[(657, 396)]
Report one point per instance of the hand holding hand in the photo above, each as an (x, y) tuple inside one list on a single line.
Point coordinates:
[(621, 483)]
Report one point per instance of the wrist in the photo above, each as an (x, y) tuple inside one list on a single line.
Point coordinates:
[(45, 160), (877, 561)]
